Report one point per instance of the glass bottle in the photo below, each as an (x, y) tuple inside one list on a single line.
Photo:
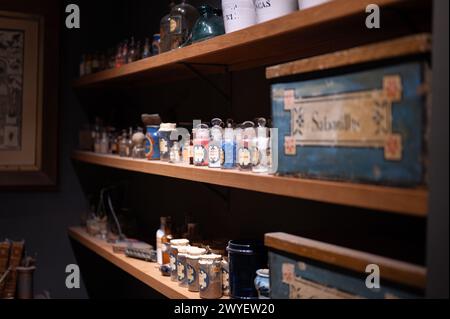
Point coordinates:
[(201, 142), (130, 143), (119, 52), (209, 25), (182, 20), (175, 156), (156, 48), (138, 144), (164, 30), (163, 231), (215, 152), (132, 51), (104, 143), (261, 152), (146, 51), (246, 145), (165, 240), (229, 146), (123, 144), (125, 52), (187, 150)]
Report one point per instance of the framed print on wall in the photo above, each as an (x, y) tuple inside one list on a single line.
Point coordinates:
[(24, 160)]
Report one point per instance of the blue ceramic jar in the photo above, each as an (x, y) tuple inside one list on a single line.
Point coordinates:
[(262, 283), (245, 258), (152, 143)]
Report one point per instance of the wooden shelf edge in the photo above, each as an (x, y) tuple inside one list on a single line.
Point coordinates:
[(393, 270), (219, 46), (404, 46), (144, 271), (406, 201)]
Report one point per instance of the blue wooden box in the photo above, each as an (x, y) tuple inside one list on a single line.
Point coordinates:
[(364, 126), (305, 269)]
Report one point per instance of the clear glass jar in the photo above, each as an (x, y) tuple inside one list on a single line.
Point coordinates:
[(215, 151), (201, 142), (175, 153), (165, 142), (192, 267), (246, 146), (210, 276), (173, 252), (138, 144), (182, 20), (261, 153)]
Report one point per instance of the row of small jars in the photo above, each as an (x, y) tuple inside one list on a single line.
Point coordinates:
[(246, 146), (197, 271)]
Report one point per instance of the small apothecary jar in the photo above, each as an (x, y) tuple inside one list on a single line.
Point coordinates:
[(192, 267), (173, 252), (210, 276)]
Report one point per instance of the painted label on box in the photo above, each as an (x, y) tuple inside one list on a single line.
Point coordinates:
[(366, 126)]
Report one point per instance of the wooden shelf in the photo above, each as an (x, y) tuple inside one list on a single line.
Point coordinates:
[(144, 271), (406, 201), (299, 35)]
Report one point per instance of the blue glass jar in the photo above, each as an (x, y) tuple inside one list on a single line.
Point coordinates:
[(152, 143), (209, 25), (229, 148), (245, 258)]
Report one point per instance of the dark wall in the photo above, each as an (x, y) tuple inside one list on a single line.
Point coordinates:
[(42, 218)]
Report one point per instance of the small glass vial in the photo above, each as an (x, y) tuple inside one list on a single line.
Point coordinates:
[(229, 147), (104, 144), (187, 150), (215, 151), (246, 146), (175, 151), (123, 144), (173, 252), (261, 153), (210, 276), (201, 142), (165, 142), (192, 267)]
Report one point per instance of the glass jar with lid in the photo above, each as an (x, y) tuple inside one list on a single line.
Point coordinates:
[(192, 267), (201, 142), (173, 252), (165, 142), (246, 145), (210, 276)]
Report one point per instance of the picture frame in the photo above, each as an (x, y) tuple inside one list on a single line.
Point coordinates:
[(28, 107)]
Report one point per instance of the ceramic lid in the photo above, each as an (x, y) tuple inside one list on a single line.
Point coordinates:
[(179, 242)]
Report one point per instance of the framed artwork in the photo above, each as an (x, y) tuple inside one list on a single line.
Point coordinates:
[(24, 160)]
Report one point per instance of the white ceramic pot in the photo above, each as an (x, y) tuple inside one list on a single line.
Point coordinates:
[(272, 9), (305, 4), (238, 14)]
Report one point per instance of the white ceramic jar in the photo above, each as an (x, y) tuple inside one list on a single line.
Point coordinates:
[(271, 9), (238, 14), (305, 4)]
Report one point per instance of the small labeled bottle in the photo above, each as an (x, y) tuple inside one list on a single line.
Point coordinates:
[(229, 147), (261, 152), (164, 30), (163, 232), (215, 151), (246, 146), (156, 49), (165, 142), (187, 150), (175, 153), (201, 142)]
